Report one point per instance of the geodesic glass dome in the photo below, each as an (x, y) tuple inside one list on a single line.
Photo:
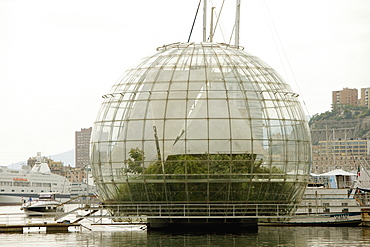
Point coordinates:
[(201, 123)]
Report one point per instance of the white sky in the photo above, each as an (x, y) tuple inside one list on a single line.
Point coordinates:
[(57, 58)]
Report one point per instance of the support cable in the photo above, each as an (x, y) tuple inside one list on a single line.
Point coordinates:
[(274, 31), (196, 14)]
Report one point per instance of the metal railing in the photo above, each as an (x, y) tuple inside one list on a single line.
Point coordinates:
[(198, 210)]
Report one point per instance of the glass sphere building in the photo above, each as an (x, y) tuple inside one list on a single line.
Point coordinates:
[(202, 124)]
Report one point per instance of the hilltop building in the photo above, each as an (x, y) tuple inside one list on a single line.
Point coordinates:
[(347, 96), (340, 139), (364, 101)]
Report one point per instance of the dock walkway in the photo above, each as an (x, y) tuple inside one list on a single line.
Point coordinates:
[(50, 227)]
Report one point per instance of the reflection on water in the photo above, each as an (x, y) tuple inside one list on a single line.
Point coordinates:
[(267, 236), (127, 236)]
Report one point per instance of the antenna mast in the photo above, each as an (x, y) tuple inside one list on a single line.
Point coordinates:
[(237, 23), (211, 26)]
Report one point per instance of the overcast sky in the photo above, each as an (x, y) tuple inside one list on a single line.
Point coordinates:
[(57, 58)]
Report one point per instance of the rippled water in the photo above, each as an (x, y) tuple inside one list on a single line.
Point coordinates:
[(135, 236)]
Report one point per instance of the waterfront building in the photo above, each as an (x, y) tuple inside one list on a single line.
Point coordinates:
[(56, 167), (348, 155), (32, 160), (76, 174), (341, 147), (82, 147), (347, 96)]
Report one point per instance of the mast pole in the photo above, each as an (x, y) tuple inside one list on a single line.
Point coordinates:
[(211, 26), (204, 20), (237, 23)]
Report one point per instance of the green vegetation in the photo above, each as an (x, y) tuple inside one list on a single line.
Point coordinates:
[(345, 112), (198, 164), (202, 178), (135, 162)]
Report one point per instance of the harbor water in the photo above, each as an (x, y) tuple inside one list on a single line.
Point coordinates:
[(108, 235)]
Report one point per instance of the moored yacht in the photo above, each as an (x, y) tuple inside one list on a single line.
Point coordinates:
[(46, 204), (332, 199)]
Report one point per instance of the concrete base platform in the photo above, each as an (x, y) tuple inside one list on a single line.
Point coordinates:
[(203, 224)]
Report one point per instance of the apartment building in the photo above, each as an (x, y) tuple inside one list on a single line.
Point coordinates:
[(82, 148), (347, 96), (364, 101)]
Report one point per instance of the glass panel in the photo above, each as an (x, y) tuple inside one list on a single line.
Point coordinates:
[(135, 130), (196, 129), (219, 129), (137, 112), (197, 109), (156, 109), (218, 109), (176, 109), (240, 129)]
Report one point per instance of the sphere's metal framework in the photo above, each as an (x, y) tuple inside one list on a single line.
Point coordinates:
[(201, 123)]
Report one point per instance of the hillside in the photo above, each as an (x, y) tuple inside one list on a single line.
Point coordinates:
[(350, 122), (68, 158)]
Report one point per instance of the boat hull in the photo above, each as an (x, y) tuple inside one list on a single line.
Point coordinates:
[(45, 205), (41, 211), (350, 219)]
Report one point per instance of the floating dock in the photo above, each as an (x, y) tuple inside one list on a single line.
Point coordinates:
[(50, 227)]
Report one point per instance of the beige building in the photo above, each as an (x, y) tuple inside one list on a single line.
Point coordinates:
[(56, 167), (347, 96), (364, 101), (76, 175), (339, 154), (73, 174), (82, 148)]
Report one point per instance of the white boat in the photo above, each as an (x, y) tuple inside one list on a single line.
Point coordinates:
[(324, 207), (46, 204), (333, 200), (16, 185), (348, 219)]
